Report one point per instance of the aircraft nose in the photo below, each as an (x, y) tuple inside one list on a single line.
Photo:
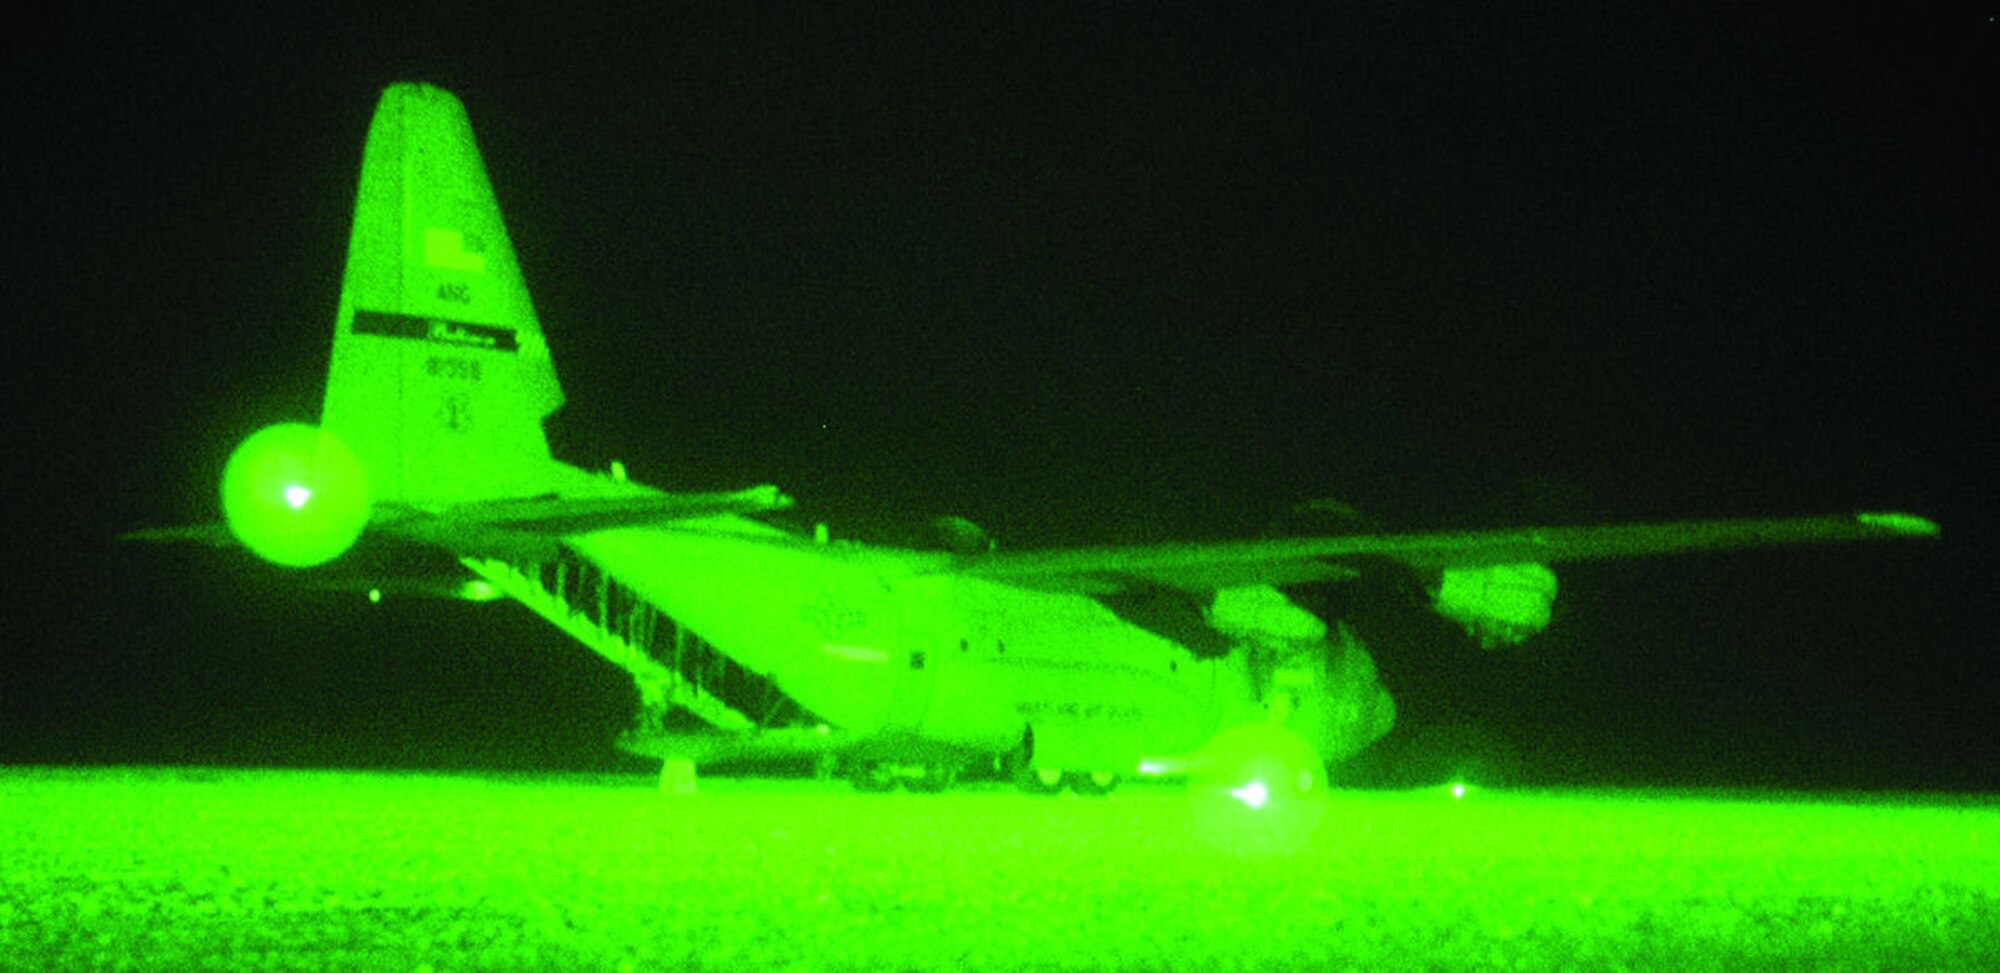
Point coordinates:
[(1384, 715)]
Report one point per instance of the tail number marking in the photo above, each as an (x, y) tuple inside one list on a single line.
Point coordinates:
[(464, 369)]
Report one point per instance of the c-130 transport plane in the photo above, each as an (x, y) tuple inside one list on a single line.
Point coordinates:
[(1069, 668)]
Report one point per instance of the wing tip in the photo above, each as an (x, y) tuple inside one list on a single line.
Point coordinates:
[(1897, 522)]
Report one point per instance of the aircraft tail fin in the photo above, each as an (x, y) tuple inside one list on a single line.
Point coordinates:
[(440, 376)]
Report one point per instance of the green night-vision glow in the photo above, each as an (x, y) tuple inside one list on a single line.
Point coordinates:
[(1258, 763), (1253, 794), (295, 495)]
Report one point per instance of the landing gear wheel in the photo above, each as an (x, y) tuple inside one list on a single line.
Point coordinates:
[(936, 778), (1095, 783), (1039, 781), (870, 777)]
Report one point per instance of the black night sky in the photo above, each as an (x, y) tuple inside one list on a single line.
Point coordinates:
[(1081, 274)]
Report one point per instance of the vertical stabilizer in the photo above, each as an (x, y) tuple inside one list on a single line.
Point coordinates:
[(440, 378)]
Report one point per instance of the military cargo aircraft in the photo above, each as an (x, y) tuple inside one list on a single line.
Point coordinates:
[(1071, 668)]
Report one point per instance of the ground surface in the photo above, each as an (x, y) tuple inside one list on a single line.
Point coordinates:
[(160, 868)]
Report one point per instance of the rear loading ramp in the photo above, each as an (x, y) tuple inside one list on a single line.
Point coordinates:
[(673, 668)]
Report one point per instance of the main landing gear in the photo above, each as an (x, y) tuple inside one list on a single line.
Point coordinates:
[(1040, 781), (881, 776), (1049, 781), (878, 776)]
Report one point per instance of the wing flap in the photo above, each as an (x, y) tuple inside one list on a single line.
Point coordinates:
[(1186, 577)]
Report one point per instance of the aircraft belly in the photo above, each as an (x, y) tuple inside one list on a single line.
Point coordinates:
[(968, 704)]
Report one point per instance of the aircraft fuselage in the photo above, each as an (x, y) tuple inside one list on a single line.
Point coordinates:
[(892, 654)]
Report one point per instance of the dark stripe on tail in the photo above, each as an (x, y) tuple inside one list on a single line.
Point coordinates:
[(460, 333)]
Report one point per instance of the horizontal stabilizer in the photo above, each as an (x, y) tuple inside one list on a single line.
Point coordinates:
[(216, 534), (531, 529), (521, 530), (428, 587), (576, 515)]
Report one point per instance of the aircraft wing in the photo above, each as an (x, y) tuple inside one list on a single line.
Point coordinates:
[(1208, 566)]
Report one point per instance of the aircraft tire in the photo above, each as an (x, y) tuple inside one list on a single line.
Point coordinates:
[(1091, 783), (937, 778), (1039, 781), (871, 777)]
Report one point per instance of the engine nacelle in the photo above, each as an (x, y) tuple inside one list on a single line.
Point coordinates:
[(1261, 611), (1498, 605), (295, 495), (958, 535)]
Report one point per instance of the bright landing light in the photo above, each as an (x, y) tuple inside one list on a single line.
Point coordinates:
[(296, 496), (1252, 794)]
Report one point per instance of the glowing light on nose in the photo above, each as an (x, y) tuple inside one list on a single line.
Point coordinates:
[(1458, 791), (1252, 794), (296, 496)]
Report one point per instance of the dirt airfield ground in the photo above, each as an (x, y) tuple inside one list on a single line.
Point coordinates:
[(162, 868)]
